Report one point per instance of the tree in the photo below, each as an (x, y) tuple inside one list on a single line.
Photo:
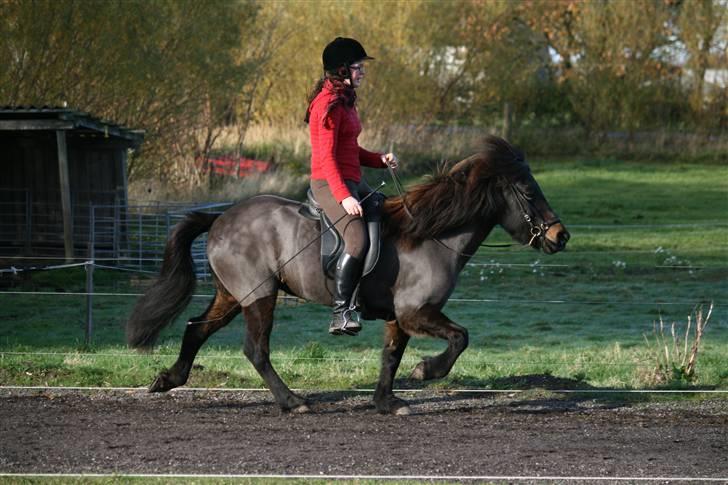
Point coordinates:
[(702, 30), (169, 67)]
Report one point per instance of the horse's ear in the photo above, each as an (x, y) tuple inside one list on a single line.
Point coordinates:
[(461, 176), (464, 169)]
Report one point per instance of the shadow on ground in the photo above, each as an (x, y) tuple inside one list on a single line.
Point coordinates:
[(529, 393)]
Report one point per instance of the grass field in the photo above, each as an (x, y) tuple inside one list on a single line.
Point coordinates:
[(649, 241)]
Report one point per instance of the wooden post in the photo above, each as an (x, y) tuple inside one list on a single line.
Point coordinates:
[(89, 302), (28, 223), (116, 230), (507, 121), (90, 276), (123, 176), (65, 195), (124, 202)]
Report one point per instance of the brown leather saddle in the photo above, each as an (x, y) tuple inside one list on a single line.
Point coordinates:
[(332, 244)]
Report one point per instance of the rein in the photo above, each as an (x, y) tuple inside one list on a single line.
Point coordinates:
[(400, 190)]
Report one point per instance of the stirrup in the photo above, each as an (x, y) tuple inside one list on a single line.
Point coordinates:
[(346, 323)]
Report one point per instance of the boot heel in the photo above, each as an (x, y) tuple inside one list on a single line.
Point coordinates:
[(345, 321)]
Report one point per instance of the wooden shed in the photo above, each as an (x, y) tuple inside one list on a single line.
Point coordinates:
[(56, 163)]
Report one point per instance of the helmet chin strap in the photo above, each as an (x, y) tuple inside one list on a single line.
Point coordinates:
[(347, 76)]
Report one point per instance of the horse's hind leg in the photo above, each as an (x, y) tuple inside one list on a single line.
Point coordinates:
[(223, 308), (395, 341), (259, 322), (435, 324)]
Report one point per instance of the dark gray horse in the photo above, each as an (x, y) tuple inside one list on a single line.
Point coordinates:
[(430, 234)]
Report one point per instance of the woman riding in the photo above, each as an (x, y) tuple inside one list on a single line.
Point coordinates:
[(336, 160)]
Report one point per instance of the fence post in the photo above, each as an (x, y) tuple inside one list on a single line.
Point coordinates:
[(89, 301), (167, 227), (140, 238), (507, 121), (116, 230), (28, 222), (89, 267)]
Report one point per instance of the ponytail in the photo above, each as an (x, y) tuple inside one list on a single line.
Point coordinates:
[(314, 92), (345, 94)]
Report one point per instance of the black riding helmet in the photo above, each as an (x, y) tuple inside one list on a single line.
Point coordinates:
[(343, 52)]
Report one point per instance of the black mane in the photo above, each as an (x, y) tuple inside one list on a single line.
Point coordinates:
[(454, 196)]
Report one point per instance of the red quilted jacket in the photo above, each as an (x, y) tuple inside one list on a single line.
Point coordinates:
[(335, 153)]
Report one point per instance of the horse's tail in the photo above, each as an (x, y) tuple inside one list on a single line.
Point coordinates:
[(171, 293)]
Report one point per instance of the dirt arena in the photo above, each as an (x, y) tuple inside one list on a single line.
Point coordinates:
[(211, 432)]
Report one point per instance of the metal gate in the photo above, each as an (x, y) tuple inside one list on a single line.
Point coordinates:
[(134, 236)]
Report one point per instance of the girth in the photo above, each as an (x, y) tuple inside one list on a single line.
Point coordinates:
[(332, 244)]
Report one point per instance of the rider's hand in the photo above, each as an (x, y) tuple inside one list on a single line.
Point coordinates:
[(390, 159), (352, 207)]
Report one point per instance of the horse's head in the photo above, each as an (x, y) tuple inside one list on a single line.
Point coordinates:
[(527, 215), (493, 185)]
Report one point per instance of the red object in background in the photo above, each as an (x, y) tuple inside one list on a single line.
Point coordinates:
[(232, 166)]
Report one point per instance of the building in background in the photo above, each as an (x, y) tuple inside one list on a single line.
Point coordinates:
[(55, 164)]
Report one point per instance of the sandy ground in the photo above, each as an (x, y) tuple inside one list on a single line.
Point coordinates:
[(533, 434)]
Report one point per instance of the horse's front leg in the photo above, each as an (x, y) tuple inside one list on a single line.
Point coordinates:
[(259, 322), (434, 323), (395, 341)]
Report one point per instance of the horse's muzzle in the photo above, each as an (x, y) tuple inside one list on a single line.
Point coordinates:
[(556, 238)]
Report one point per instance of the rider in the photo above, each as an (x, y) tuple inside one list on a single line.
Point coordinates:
[(336, 160)]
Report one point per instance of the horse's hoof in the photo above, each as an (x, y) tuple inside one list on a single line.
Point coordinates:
[(403, 411), (302, 409), (419, 372), (392, 405), (161, 384)]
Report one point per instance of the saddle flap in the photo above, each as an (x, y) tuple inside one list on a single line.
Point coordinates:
[(331, 242), (372, 257), (373, 215), (373, 207), (331, 245)]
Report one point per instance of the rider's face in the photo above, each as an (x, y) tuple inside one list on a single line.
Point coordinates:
[(357, 74)]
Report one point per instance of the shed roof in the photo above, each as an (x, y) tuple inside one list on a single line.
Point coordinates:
[(21, 118)]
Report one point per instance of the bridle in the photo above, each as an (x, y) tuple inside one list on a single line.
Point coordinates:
[(538, 231)]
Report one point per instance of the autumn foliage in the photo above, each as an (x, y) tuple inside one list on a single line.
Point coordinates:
[(183, 69)]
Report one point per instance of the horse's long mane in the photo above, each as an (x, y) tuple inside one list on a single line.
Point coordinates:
[(454, 195)]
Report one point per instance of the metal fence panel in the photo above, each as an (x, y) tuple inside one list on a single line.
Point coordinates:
[(129, 236), (136, 235)]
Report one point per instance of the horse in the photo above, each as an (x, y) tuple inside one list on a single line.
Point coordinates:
[(429, 234)]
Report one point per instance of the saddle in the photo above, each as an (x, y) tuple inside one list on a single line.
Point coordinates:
[(332, 245)]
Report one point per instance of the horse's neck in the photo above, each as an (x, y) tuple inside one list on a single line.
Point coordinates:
[(464, 242)]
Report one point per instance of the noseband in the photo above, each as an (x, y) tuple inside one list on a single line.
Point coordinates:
[(538, 231)]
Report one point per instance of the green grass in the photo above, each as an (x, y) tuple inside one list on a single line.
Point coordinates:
[(580, 316)]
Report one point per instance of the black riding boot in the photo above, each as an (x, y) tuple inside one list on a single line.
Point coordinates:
[(346, 279)]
